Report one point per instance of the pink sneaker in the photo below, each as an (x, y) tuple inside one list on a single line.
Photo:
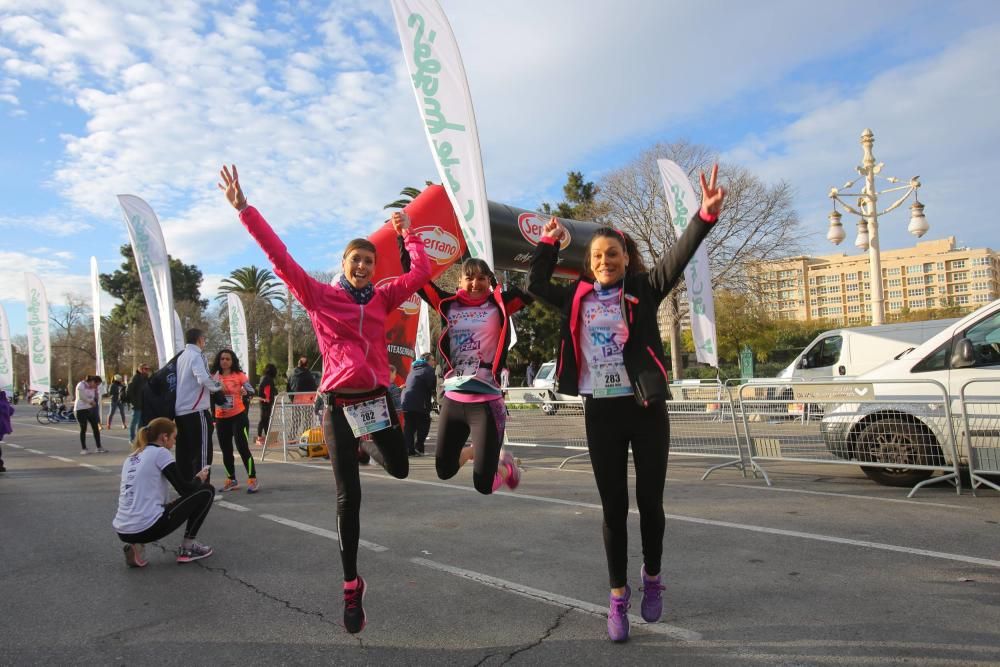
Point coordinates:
[(513, 471)]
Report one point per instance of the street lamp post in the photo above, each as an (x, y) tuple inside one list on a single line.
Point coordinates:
[(868, 214)]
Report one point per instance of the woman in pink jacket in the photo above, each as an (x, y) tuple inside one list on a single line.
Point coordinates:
[(348, 317)]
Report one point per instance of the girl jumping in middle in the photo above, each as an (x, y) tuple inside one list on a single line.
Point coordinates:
[(474, 338)]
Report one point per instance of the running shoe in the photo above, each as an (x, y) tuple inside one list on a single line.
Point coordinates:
[(133, 555), (84, 451), (513, 471), (652, 597), (618, 616), (193, 552), (354, 607), (252, 485), (230, 485), (101, 450)]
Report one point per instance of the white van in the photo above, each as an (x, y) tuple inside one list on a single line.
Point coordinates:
[(968, 349), (851, 352)]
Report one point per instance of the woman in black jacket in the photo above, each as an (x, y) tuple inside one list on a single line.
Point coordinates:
[(611, 353)]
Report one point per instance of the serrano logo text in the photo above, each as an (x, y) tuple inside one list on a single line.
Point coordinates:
[(442, 247), (531, 225)]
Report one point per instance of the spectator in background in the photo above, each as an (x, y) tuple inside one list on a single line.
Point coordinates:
[(267, 391), (421, 384), (133, 393), (117, 393), (504, 378), (395, 393), (529, 374), (86, 406), (302, 379), (195, 425), (6, 411)]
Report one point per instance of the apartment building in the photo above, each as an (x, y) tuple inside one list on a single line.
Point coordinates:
[(931, 274)]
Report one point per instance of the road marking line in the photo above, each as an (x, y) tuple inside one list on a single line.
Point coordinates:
[(11, 444), (36, 451), (941, 555), (836, 540), (62, 458), (845, 495), (92, 467), (673, 631), (231, 506), (580, 448), (729, 524), (322, 532)]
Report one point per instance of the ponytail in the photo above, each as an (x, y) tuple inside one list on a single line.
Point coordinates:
[(151, 432)]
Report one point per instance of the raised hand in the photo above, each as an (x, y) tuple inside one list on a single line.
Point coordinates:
[(400, 222), (554, 229), (234, 193), (712, 194)]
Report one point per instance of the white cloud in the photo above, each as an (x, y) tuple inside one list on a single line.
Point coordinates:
[(934, 117)]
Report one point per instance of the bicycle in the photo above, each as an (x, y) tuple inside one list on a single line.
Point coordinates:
[(52, 412)]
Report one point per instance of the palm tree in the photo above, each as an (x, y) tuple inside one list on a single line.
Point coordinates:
[(258, 289), (408, 195)]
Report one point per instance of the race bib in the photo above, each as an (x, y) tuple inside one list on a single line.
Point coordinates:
[(609, 379), (466, 368), (229, 402), (368, 417)]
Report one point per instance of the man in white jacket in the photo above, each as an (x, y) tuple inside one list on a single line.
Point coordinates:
[(193, 406)]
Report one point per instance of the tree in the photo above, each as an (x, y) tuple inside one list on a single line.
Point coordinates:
[(757, 222), (408, 194), (124, 284), (580, 200), (258, 289), (71, 333)]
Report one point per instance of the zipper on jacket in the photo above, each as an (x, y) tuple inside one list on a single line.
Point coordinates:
[(658, 364)]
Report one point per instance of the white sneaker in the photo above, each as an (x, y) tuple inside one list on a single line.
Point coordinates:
[(84, 452)]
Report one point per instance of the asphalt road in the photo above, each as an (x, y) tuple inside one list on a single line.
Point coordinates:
[(823, 568)]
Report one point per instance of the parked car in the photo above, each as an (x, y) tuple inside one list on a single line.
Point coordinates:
[(545, 379), (911, 430)]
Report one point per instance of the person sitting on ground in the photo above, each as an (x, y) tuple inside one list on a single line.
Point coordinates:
[(144, 513)]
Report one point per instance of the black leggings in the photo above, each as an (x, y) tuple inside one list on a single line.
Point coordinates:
[(485, 422), (265, 419), (238, 427), (612, 424), (386, 447), (192, 508), (89, 416), (415, 430)]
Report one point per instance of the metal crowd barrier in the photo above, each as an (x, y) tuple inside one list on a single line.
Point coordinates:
[(702, 421), (980, 405), (293, 414), (900, 431)]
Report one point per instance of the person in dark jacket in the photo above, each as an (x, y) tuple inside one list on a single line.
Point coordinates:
[(302, 379), (6, 411), (117, 393), (418, 393), (133, 393), (266, 391), (611, 353)]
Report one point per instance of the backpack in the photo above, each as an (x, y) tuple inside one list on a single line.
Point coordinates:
[(159, 395)]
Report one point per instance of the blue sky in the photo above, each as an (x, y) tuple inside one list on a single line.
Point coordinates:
[(310, 100)]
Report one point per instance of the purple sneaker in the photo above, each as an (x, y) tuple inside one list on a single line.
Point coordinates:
[(618, 616), (652, 597)]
